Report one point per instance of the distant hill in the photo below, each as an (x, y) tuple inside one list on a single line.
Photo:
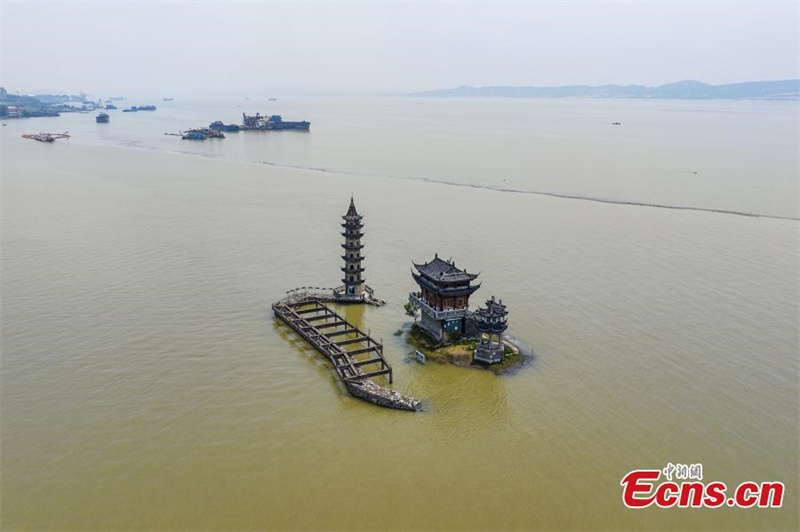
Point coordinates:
[(681, 90)]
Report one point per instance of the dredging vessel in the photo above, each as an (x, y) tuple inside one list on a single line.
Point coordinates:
[(219, 126), (202, 134), (46, 137), (135, 109), (271, 123)]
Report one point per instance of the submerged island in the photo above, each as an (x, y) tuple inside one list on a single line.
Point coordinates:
[(448, 331)]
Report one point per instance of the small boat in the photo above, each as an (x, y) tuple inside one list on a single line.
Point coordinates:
[(202, 134), (46, 137), (168, 99), (616, 123), (194, 134), (102, 118), (272, 99), (219, 126), (134, 109)]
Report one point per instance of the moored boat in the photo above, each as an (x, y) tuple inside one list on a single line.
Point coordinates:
[(135, 109), (202, 134), (194, 134), (219, 126), (271, 123), (46, 137)]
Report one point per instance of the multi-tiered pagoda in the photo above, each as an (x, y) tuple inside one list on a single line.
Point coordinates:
[(353, 289), (490, 323), (443, 297)]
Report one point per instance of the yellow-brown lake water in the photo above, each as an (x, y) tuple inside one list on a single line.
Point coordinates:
[(145, 384)]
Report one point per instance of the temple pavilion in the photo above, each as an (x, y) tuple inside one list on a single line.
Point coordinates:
[(490, 323), (443, 297)]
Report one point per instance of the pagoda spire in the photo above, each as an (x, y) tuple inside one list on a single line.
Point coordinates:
[(353, 280), (351, 211)]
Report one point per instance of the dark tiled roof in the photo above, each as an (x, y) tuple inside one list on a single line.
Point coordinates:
[(444, 271), (493, 309), (492, 319), (462, 289)]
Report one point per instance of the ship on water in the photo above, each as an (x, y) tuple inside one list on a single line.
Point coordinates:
[(258, 122), (202, 134), (219, 126), (102, 118), (194, 135), (135, 109), (271, 123), (46, 137)]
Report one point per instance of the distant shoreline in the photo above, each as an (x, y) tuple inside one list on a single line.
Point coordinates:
[(781, 90)]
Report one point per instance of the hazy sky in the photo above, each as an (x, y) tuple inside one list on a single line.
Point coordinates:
[(183, 47)]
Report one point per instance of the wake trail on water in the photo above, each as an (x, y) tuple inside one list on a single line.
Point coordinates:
[(492, 188), (536, 192)]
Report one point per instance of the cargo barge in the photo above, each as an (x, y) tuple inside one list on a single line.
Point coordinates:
[(219, 126), (46, 137), (258, 122), (135, 109), (202, 134), (271, 123)]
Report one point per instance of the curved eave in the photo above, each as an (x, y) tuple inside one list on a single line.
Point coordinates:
[(493, 330), (446, 291), (485, 315), (470, 276)]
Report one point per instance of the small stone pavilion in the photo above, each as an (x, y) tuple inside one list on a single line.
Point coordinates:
[(490, 323)]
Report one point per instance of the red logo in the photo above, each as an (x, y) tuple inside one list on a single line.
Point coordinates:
[(640, 489)]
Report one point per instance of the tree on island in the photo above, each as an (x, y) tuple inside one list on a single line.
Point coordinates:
[(411, 310)]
